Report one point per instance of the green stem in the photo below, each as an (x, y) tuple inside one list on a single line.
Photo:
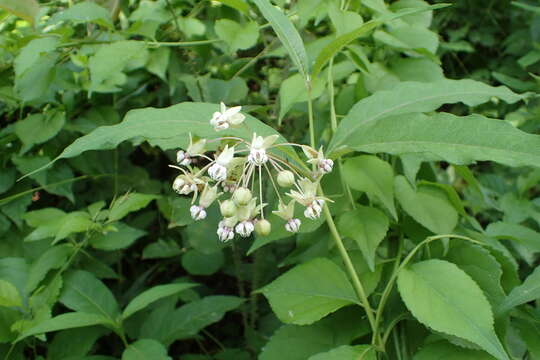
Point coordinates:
[(310, 116), (357, 284)]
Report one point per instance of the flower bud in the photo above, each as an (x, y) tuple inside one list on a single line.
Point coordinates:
[(228, 208), (178, 183), (325, 165), (197, 212), (244, 228), (263, 227), (225, 232), (285, 178), (293, 225), (183, 158), (242, 196)]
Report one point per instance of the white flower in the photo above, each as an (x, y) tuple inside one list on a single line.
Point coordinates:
[(313, 210), (226, 118), (184, 185), (325, 165), (218, 171), (197, 212), (317, 158), (183, 158), (245, 228), (293, 225), (194, 149), (224, 232), (257, 151)]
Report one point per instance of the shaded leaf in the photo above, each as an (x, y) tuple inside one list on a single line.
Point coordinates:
[(129, 203), (528, 291), (347, 352), (26, 9), (9, 296), (153, 294), (144, 349), (237, 36)]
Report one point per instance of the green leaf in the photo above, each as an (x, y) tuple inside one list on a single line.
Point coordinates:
[(123, 237), (26, 9), (334, 47), (153, 294), (293, 90), (189, 319), (529, 331), (162, 127), (9, 295), (373, 176), (237, 36), (287, 34), (65, 321), (129, 203), (347, 352), (53, 258), (85, 12), (161, 249), (432, 209), (460, 310), (51, 222), (38, 128), (442, 350), (344, 21), (528, 291), (110, 60), (85, 293), (366, 225), (64, 347), (144, 349), (198, 263), (519, 233), (411, 97), (302, 296)]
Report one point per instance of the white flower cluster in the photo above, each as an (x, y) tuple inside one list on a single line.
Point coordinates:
[(238, 168)]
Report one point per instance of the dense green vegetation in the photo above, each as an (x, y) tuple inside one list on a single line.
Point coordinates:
[(389, 210)]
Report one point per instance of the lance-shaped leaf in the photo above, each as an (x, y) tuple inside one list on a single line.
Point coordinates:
[(287, 34), (411, 97), (528, 291), (458, 140)]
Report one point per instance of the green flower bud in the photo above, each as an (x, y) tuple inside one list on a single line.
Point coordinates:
[(228, 208), (263, 227), (241, 196), (285, 178)]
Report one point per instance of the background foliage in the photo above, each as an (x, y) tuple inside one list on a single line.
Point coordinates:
[(99, 258)]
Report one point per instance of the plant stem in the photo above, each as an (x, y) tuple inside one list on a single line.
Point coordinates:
[(310, 116), (357, 284)]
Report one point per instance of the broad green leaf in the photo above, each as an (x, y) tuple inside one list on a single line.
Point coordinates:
[(344, 21), (149, 296), (198, 263), (446, 299), (410, 97), (293, 342), (38, 128), (189, 319), (239, 5), (129, 203), (333, 48), (121, 238), (85, 12), (85, 293), (65, 321), (431, 209), (53, 258), (347, 352), (519, 233), (293, 90), (237, 36), (528, 291), (162, 127), (9, 295), (481, 266), (26, 9), (374, 176), (450, 138), (529, 331), (442, 350), (63, 346), (15, 271), (73, 222), (158, 62), (144, 349), (287, 34), (161, 249), (110, 60), (302, 296), (409, 37), (51, 222), (366, 225)]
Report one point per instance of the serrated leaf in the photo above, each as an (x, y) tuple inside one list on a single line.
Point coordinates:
[(460, 310), (519, 233), (26, 9), (442, 350), (347, 352), (83, 292), (53, 258), (9, 296), (287, 34), (431, 209), (153, 294), (302, 296), (144, 349), (65, 321), (411, 97), (528, 291), (366, 225), (374, 176)]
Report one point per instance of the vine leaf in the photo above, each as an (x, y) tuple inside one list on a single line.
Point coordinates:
[(460, 310)]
